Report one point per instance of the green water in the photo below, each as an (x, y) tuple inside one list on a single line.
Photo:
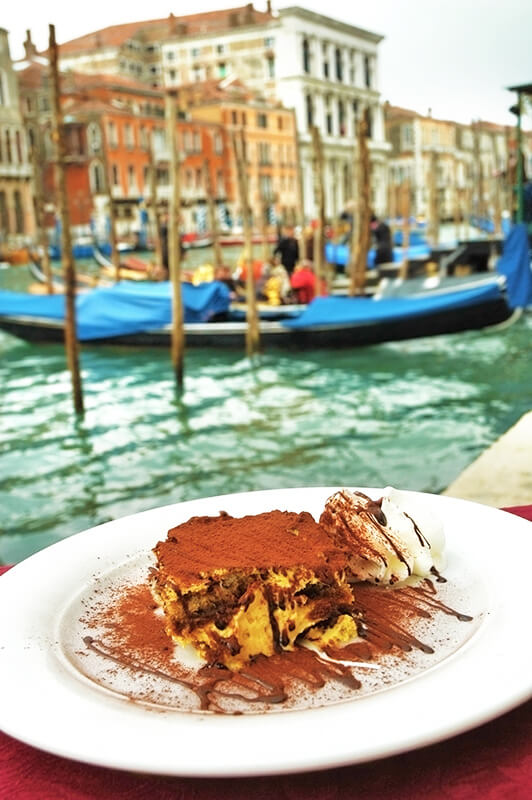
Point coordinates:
[(411, 414)]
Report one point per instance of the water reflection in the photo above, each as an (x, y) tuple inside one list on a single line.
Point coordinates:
[(413, 414)]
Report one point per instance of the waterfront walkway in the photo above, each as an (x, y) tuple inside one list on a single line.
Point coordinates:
[(502, 475)]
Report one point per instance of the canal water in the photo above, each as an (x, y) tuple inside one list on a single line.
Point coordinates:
[(411, 414)]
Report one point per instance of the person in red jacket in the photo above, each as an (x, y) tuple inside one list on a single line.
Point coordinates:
[(303, 282)]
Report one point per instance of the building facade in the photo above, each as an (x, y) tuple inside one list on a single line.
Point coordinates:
[(17, 221), (472, 167), (323, 69)]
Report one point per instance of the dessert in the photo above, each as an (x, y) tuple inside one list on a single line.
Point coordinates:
[(382, 542), (285, 612), (236, 588)]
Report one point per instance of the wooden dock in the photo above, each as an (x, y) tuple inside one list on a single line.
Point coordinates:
[(502, 475)]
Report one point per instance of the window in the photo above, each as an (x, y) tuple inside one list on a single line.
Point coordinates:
[(220, 48), (341, 118), (197, 142), (115, 175), (222, 69), (269, 42), (329, 121), (144, 139), (19, 213), (306, 56), (96, 177), (309, 110), (234, 118), (94, 137), (339, 64), (262, 120), (352, 69), (218, 144), (367, 71), (270, 66), (18, 145), (170, 55), (4, 216), (131, 178), (264, 154), (7, 140), (4, 98), (129, 135), (408, 135), (112, 134), (279, 123), (195, 52), (325, 60)]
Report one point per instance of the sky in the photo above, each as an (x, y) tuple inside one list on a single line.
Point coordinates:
[(454, 57)]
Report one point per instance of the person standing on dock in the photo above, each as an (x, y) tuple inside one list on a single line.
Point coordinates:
[(383, 240), (288, 249)]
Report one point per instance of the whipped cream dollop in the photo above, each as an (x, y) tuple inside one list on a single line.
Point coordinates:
[(386, 540)]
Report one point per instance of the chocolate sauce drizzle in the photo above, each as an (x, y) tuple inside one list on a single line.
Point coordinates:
[(386, 619)]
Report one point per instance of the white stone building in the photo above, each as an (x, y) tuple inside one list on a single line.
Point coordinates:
[(326, 70)]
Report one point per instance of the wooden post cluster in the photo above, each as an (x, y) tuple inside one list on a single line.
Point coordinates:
[(71, 342)]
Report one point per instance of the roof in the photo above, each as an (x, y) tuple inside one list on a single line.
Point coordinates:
[(204, 22), (36, 74)]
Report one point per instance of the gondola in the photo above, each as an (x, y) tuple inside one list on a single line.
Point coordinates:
[(140, 314)]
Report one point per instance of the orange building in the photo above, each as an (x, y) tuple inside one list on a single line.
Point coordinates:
[(268, 134), (115, 127)]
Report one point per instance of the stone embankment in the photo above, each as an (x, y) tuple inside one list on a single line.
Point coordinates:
[(502, 475)]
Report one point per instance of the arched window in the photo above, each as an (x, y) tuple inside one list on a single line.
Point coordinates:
[(306, 56), (96, 177)]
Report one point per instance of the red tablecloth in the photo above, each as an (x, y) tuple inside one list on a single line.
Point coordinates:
[(492, 762)]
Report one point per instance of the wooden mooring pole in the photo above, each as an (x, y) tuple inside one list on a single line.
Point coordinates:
[(174, 243), (38, 195), (69, 273), (361, 237), (213, 221), (113, 239), (157, 246), (405, 213), (319, 194), (252, 318)]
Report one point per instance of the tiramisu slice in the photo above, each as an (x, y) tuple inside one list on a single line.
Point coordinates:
[(235, 588)]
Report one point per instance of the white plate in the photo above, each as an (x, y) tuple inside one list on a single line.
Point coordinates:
[(45, 704)]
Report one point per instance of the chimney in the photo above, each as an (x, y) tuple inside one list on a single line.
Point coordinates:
[(269, 7), (29, 48)]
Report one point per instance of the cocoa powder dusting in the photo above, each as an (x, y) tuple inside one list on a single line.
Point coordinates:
[(130, 633)]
